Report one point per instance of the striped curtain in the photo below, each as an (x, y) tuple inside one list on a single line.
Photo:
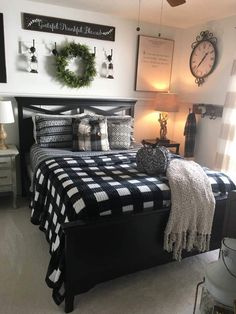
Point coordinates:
[(226, 149)]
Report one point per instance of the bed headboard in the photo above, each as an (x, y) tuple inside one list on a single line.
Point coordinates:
[(27, 106)]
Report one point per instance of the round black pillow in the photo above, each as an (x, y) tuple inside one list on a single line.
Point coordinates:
[(153, 160)]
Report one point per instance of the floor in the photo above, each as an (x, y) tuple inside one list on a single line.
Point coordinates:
[(167, 289)]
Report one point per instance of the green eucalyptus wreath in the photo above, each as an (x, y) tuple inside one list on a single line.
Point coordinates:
[(73, 50)]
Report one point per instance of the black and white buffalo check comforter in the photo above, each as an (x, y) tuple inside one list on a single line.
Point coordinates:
[(73, 187)]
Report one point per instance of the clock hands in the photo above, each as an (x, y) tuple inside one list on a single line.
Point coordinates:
[(202, 59)]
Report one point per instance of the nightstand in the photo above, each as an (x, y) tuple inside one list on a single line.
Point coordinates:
[(8, 171), (170, 144)]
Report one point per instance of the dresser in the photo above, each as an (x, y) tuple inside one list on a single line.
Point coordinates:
[(8, 171)]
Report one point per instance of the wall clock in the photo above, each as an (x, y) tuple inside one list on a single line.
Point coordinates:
[(203, 57)]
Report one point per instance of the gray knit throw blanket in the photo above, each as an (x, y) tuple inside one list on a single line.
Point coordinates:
[(192, 208)]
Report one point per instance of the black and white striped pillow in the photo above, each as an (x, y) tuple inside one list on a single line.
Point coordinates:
[(54, 132), (90, 134)]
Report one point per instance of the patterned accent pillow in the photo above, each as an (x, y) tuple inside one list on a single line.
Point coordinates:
[(153, 160), (90, 134), (125, 120), (55, 132), (119, 135), (52, 117)]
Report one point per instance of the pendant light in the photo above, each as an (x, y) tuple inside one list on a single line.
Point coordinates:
[(159, 35), (139, 8)]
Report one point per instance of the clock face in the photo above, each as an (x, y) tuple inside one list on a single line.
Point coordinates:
[(203, 59)]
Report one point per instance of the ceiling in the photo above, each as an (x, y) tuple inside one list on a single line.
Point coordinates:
[(193, 12)]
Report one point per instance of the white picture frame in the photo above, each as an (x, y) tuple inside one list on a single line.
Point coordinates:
[(154, 64)]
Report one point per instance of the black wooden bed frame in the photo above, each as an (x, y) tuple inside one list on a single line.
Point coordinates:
[(107, 248)]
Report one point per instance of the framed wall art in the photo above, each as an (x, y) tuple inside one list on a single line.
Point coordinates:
[(3, 76), (154, 64)]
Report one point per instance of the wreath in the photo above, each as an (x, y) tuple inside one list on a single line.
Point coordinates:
[(69, 77)]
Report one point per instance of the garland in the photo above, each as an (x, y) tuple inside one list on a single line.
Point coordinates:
[(70, 78)]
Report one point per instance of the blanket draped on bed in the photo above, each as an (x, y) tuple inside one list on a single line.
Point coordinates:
[(192, 208)]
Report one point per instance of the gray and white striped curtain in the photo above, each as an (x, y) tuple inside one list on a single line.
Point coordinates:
[(226, 149)]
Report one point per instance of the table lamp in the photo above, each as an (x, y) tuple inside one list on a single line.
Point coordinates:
[(6, 116), (164, 103)]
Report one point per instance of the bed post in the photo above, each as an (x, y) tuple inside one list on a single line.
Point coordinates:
[(69, 303), (229, 229)]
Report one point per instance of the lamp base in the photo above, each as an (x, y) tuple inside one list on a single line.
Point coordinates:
[(3, 146), (162, 140), (3, 136)]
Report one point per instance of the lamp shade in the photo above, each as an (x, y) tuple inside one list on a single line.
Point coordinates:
[(6, 112), (166, 102)]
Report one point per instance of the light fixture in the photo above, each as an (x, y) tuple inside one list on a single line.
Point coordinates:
[(160, 24), (139, 8), (164, 103), (6, 116), (33, 59)]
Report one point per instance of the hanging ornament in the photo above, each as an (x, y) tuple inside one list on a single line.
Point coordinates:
[(110, 74), (33, 62)]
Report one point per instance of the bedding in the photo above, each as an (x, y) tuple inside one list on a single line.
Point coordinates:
[(68, 187), (53, 131), (120, 131), (119, 135), (190, 189), (38, 154), (85, 131), (50, 118), (90, 133)]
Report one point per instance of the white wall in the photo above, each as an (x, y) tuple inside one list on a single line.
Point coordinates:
[(213, 91), (21, 82)]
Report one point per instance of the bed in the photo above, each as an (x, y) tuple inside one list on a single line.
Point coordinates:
[(100, 245)]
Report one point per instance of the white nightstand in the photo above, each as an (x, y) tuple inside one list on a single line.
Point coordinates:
[(8, 171)]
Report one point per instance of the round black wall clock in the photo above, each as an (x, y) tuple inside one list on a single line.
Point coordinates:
[(203, 57)]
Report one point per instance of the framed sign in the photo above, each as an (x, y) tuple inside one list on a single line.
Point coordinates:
[(56, 25), (3, 76), (154, 63)]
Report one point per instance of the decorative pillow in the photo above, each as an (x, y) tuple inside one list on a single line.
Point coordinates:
[(119, 135), (90, 134), (51, 117), (153, 160), (55, 132)]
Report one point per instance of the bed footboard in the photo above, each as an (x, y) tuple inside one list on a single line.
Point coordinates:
[(108, 248), (230, 216)]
